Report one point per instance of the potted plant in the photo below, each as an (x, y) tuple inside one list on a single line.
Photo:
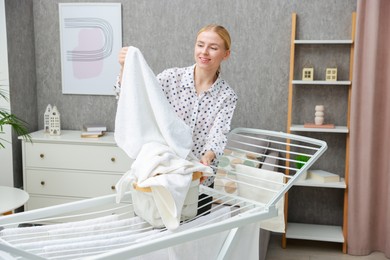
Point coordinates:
[(301, 160), (6, 118)]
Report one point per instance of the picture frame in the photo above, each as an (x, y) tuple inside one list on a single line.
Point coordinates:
[(90, 39)]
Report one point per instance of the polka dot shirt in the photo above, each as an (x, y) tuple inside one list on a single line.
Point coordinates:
[(209, 114)]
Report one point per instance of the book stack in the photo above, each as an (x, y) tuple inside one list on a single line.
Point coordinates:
[(323, 176), (93, 130)]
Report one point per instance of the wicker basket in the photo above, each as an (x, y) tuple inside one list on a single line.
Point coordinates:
[(142, 196)]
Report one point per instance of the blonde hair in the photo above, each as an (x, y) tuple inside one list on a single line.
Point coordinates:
[(221, 31)]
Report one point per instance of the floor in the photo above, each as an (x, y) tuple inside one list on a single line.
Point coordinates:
[(312, 250)]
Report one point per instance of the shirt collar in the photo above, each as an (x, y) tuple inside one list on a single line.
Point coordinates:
[(214, 88)]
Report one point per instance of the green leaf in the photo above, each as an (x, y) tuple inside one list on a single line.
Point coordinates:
[(302, 159), (18, 125)]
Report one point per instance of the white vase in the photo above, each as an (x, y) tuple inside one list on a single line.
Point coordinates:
[(319, 115), (319, 108), (319, 120)]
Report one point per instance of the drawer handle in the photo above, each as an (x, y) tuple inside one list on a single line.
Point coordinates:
[(113, 187), (42, 155), (112, 159), (43, 183)]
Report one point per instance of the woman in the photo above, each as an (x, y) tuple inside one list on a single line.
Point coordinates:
[(200, 97)]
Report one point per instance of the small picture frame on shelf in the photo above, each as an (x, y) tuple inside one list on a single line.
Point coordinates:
[(308, 74), (331, 74)]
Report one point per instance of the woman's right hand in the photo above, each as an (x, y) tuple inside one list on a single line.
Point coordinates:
[(121, 60), (122, 56)]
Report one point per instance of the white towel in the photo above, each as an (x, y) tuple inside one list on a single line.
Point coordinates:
[(123, 230), (144, 114), (244, 247), (6, 256), (252, 187), (169, 178), (203, 248), (148, 130), (69, 251), (10, 234), (98, 235)]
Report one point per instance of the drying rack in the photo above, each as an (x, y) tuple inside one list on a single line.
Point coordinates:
[(33, 234)]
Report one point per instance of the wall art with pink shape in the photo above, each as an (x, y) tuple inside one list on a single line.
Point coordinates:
[(91, 38)]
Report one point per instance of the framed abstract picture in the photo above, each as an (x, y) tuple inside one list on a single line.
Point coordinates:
[(90, 38)]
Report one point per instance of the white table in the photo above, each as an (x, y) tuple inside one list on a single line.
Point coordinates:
[(11, 198)]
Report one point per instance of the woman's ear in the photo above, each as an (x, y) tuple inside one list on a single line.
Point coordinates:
[(227, 55)]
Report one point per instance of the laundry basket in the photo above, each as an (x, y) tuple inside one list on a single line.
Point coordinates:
[(145, 205)]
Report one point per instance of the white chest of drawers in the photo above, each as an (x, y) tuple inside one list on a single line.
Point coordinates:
[(65, 168)]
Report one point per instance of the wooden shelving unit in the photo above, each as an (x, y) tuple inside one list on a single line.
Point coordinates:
[(309, 231)]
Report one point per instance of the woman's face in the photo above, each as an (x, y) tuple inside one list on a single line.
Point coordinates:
[(210, 50)]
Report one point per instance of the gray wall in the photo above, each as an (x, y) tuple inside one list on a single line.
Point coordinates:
[(165, 32), (22, 72)]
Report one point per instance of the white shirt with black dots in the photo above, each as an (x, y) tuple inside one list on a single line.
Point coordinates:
[(209, 114)]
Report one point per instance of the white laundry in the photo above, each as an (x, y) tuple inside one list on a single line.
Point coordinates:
[(204, 248), (148, 130), (94, 245), (9, 233), (263, 185), (169, 178), (79, 239), (144, 114), (207, 248)]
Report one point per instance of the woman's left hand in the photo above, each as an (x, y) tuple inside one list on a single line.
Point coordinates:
[(206, 159)]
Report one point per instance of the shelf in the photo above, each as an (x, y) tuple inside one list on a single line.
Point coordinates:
[(315, 232), (321, 82), (312, 183), (323, 41), (309, 231), (336, 129)]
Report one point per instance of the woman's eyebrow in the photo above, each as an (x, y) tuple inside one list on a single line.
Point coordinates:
[(213, 44)]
